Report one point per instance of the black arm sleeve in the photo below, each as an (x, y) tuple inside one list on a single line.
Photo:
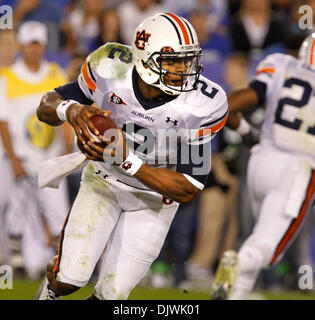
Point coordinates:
[(73, 91), (260, 89), (188, 162)]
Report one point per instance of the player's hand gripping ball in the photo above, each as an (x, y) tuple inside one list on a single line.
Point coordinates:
[(103, 124), (112, 137)]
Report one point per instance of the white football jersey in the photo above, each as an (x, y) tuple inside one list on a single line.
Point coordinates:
[(290, 104), (108, 78)]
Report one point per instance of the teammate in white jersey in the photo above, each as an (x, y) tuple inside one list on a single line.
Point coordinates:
[(281, 175), (153, 88)]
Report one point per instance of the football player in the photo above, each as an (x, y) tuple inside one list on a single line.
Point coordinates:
[(150, 90), (281, 175)]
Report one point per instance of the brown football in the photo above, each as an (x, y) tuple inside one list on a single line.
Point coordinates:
[(102, 124)]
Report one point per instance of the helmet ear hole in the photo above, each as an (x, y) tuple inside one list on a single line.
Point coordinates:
[(145, 65)]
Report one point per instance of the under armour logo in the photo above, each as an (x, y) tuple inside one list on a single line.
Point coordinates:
[(99, 172), (167, 50), (168, 119)]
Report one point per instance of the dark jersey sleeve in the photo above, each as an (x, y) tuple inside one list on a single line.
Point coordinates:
[(260, 88), (73, 91), (193, 160)]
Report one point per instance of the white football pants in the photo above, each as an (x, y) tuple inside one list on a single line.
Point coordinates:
[(130, 224), (281, 189)]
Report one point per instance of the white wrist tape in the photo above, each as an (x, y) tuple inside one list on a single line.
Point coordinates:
[(132, 164), (62, 108), (244, 127)]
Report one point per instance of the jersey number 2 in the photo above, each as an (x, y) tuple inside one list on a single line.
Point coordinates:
[(298, 103), (204, 87)]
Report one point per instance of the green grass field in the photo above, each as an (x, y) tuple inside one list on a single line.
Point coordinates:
[(25, 290)]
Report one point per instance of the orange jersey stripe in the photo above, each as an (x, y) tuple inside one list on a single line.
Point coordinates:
[(56, 267), (90, 83), (182, 27), (312, 53), (213, 129), (297, 222), (268, 70)]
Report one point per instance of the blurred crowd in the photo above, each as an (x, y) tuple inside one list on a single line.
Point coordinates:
[(234, 36)]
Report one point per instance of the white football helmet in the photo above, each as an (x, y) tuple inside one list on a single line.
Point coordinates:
[(166, 36), (307, 51)]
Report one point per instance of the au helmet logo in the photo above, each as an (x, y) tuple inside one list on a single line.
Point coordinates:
[(141, 38)]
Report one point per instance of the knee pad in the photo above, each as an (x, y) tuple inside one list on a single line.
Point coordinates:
[(109, 289), (254, 255)]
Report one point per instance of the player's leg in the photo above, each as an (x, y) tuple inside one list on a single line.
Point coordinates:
[(49, 287), (133, 246), (273, 233), (256, 252), (281, 216), (279, 184), (83, 237)]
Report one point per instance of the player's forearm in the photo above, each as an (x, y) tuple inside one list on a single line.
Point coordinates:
[(234, 120), (169, 183), (240, 100), (46, 112), (243, 99)]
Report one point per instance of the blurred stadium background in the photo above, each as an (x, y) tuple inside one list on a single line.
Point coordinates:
[(234, 35)]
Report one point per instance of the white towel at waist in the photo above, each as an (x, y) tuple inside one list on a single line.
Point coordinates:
[(52, 171)]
